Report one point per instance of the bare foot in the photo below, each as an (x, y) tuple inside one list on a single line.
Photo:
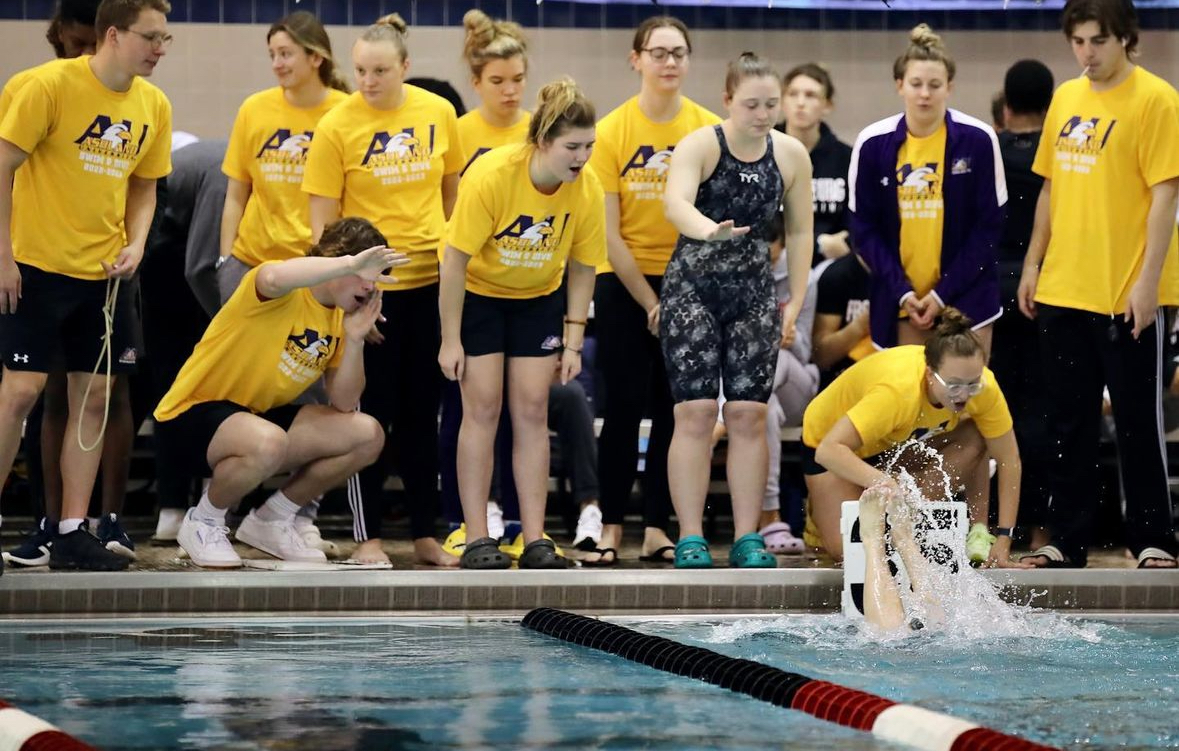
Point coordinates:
[(872, 515), (655, 538), (428, 552), (611, 537), (369, 551)]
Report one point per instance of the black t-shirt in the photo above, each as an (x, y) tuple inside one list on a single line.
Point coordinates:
[(843, 291), (1023, 189)]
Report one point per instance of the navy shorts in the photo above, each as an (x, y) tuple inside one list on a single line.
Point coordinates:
[(530, 327), (59, 323), (193, 429)]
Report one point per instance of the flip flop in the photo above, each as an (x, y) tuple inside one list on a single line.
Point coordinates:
[(1052, 554), (659, 555), (1155, 554), (602, 562)]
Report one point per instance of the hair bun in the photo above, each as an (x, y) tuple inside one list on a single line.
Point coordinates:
[(396, 21), (952, 321), (922, 36)]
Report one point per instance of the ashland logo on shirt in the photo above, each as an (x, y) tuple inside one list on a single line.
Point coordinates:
[(918, 181), (1084, 135), (529, 242), (403, 146), (645, 173), (304, 355), (282, 156), (109, 146)]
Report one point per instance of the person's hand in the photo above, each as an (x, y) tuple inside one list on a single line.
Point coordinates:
[(10, 283), (451, 359), (1025, 296), (1142, 305), (653, 319), (125, 263), (862, 323), (570, 364), (1000, 556), (834, 245), (789, 324), (360, 322), (930, 307), (725, 231), (374, 335), (913, 307), (369, 264)]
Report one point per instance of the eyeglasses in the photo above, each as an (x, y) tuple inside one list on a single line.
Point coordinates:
[(659, 54), (974, 388), (156, 39)]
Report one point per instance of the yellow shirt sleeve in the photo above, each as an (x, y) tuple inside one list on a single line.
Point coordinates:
[(1158, 147), (989, 409), (875, 416), (473, 218), (236, 165), (453, 161), (589, 245), (157, 162), (28, 119), (604, 162), (1046, 150), (323, 173)]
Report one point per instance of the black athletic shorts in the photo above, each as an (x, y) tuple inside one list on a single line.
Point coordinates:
[(806, 456), (59, 322), (193, 429), (531, 327)]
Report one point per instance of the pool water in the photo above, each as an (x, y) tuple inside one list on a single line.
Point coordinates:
[(369, 685)]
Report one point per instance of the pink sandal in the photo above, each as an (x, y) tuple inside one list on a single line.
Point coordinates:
[(780, 540)]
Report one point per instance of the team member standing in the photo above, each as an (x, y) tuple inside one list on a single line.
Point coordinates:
[(89, 126), (631, 158), (809, 97), (1103, 256), (927, 204), (266, 216), (289, 324), (525, 214), (719, 320), (390, 153)]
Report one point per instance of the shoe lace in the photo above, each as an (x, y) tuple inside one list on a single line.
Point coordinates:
[(215, 534)]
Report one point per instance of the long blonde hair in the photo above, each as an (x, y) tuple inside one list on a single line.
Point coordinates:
[(489, 39)]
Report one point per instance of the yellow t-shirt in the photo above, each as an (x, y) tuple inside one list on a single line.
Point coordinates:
[(267, 150), (920, 173), (479, 136), (884, 398), (260, 354), (517, 237), (387, 166), (14, 84), (84, 141), (1103, 151), (631, 157)]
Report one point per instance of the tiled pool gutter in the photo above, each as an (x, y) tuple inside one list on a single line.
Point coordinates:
[(153, 593)]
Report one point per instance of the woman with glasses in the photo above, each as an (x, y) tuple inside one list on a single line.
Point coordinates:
[(892, 411), (631, 158)]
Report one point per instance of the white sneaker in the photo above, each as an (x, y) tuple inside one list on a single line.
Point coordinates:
[(312, 537), (495, 520), (280, 539), (168, 525), (207, 543), (589, 528)]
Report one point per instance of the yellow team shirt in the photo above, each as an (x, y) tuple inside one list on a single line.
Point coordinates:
[(257, 353), (387, 166), (517, 237), (920, 173), (479, 136), (84, 142), (267, 150), (631, 157), (884, 398), (1103, 151), (14, 85)]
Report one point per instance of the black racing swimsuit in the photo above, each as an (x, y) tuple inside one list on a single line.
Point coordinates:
[(718, 308)]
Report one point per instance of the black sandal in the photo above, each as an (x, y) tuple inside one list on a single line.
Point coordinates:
[(541, 553), (484, 554)]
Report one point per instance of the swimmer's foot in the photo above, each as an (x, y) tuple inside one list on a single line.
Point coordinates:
[(872, 516)]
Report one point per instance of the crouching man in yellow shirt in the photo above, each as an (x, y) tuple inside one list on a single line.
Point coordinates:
[(288, 323)]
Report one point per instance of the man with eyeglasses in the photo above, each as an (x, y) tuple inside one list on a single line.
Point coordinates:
[(81, 147)]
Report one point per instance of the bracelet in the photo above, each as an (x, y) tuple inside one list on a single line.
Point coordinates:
[(574, 322), (571, 349), (1004, 531)]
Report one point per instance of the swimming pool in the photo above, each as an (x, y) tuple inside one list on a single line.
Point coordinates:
[(336, 684)]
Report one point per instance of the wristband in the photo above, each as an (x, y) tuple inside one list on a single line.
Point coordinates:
[(1004, 531), (574, 322), (571, 349)]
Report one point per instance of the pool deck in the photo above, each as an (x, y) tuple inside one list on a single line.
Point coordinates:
[(161, 584)]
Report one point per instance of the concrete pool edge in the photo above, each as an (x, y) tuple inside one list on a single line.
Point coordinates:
[(187, 593)]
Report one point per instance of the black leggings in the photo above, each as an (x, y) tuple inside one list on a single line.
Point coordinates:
[(633, 385), (402, 382)]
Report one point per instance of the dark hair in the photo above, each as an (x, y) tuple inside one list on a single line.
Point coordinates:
[(643, 32), (442, 89), (998, 102), (391, 28), (69, 12), (305, 30), (488, 40), (120, 14), (1115, 17), (952, 337), (1028, 87), (747, 65), (815, 71), (924, 45), (560, 106), (347, 237)]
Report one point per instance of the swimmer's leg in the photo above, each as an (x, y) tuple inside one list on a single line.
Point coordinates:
[(882, 601), (902, 522)]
